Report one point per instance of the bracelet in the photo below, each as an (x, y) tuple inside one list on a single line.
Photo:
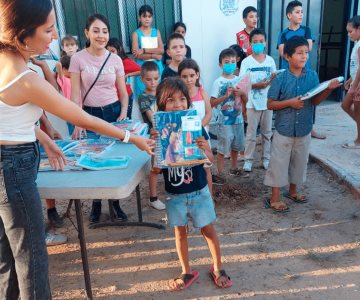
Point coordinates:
[(126, 137)]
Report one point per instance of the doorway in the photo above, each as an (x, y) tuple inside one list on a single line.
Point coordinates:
[(334, 47)]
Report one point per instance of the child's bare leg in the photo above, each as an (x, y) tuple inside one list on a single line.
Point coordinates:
[(275, 195), (181, 242), (50, 203), (275, 201), (209, 179), (152, 184), (292, 189), (347, 106), (234, 155), (212, 240), (357, 120), (220, 162)]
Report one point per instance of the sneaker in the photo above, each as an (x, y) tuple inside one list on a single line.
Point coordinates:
[(119, 213), (157, 204), (247, 166), (238, 173), (54, 219), (95, 212), (266, 164), (218, 179), (55, 239)]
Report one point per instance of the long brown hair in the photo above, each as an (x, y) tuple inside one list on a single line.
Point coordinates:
[(19, 20), (167, 88)]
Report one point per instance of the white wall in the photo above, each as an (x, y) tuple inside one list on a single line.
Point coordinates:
[(209, 31)]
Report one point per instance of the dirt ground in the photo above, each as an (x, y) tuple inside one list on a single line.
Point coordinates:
[(311, 252)]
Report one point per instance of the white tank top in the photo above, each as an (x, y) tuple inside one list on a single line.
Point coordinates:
[(354, 60), (17, 123)]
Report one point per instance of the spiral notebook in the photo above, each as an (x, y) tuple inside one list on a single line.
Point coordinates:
[(176, 144)]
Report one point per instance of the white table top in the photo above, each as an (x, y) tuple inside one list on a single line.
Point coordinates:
[(106, 184)]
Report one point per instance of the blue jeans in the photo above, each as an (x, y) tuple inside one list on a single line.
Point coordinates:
[(108, 113), (23, 253), (130, 106)]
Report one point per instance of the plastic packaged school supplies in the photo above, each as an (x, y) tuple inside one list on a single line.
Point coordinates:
[(102, 162), (279, 71), (176, 144), (244, 83), (89, 146), (135, 127), (62, 144), (70, 165), (321, 87)]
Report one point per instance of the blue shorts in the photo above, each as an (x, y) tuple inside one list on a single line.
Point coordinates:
[(198, 204), (230, 137)]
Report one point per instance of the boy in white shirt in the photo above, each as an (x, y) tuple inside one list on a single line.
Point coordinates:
[(261, 68)]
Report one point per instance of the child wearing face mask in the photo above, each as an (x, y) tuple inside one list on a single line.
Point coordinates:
[(229, 103), (261, 68)]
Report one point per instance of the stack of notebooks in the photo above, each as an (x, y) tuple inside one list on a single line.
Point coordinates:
[(86, 154)]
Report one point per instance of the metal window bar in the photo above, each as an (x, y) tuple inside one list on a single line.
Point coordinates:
[(122, 15)]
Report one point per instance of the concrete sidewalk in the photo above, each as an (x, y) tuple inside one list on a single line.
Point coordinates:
[(339, 129)]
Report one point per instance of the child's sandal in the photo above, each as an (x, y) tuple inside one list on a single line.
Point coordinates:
[(187, 279), (216, 275)]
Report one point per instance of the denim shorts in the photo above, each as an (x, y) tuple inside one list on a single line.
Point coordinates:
[(230, 137), (198, 204)]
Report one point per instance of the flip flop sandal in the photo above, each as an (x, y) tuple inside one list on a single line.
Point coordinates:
[(216, 275), (351, 146), (267, 204), (318, 136), (299, 198), (188, 280)]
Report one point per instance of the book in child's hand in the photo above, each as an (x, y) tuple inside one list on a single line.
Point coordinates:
[(176, 144), (321, 87), (244, 83)]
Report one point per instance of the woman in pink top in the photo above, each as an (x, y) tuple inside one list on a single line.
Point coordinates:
[(101, 99)]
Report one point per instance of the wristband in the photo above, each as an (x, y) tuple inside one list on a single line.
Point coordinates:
[(126, 137)]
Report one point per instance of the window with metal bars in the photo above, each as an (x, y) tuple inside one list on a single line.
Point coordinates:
[(122, 15)]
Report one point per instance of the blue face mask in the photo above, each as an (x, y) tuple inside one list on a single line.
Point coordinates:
[(258, 48), (229, 69)]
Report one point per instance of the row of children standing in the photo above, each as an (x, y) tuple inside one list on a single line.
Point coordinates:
[(173, 94), (294, 117), (98, 96)]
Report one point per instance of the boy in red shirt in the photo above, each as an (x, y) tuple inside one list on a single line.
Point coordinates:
[(250, 20)]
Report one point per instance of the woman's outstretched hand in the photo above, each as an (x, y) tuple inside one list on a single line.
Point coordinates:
[(143, 144), (55, 156)]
